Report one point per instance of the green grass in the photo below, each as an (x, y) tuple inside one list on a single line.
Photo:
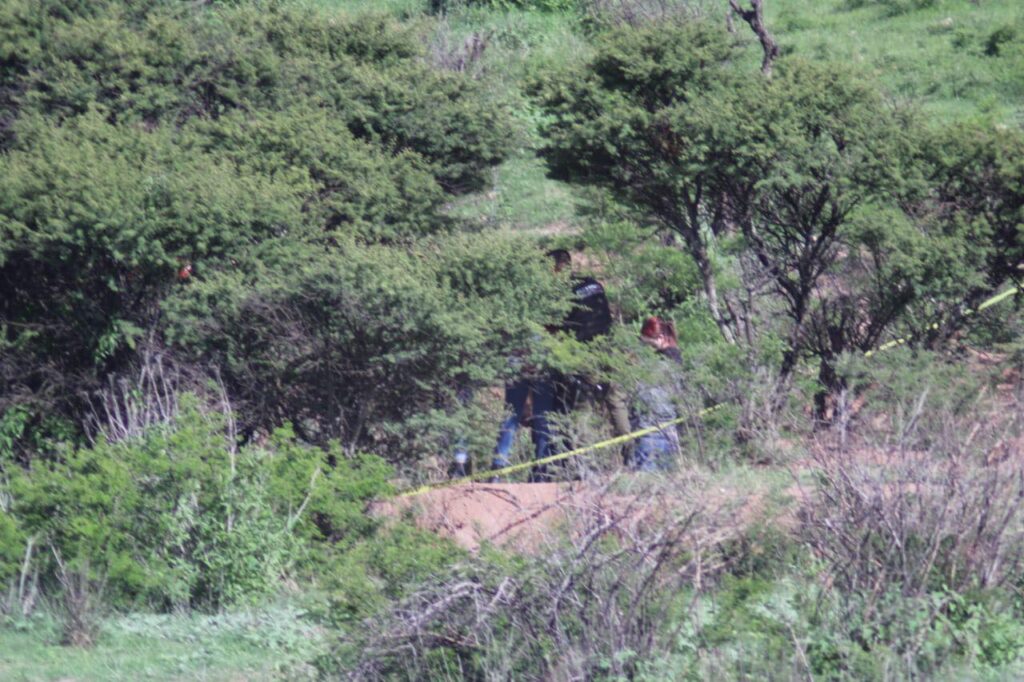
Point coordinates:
[(931, 58), (521, 198), (397, 7), (264, 645)]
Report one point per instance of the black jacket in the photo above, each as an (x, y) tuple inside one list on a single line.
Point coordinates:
[(590, 315)]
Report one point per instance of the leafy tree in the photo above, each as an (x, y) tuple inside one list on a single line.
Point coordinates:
[(347, 186), (977, 179), (95, 222), (803, 182), (604, 127), (146, 137), (167, 64)]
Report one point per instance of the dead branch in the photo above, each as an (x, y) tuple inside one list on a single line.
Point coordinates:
[(755, 19)]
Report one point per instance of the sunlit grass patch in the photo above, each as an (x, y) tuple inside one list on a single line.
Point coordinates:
[(267, 644)]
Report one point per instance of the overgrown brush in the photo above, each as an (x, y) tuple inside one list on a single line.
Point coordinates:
[(181, 517), (926, 518), (592, 603)]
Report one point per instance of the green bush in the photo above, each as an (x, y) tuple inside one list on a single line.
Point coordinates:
[(647, 275), (347, 186), (803, 178), (12, 554), (165, 65), (352, 343), (97, 220), (997, 40), (892, 8), (182, 517), (144, 137), (375, 572)]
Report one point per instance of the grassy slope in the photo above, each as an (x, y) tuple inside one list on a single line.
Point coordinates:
[(931, 57), (264, 645)]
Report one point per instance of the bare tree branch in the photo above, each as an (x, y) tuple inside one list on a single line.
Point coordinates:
[(755, 19)]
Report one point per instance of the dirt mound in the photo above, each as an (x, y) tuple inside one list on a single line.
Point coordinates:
[(527, 516), (518, 515)]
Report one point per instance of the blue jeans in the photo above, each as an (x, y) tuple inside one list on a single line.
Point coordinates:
[(655, 451), (543, 403)]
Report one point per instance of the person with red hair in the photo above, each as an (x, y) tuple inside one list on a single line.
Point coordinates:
[(655, 403)]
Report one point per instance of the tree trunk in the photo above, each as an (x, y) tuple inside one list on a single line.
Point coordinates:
[(707, 274), (755, 18), (832, 384), (699, 252)]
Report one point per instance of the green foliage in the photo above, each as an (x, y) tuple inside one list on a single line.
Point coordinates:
[(141, 138), (347, 186), (801, 178), (377, 571), (267, 643), (351, 343), (12, 547), (181, 517), (977, 171), (166, 65), (892, 8), (999, 39), (650, 276), (13, 423), (792, 627), (96, 220)]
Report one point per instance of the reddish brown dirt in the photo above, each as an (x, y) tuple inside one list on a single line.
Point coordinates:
[(528, 516), (516, 515)]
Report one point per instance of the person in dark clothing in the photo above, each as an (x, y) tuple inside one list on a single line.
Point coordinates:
[(589, 318), (655, 401), (541, 394)]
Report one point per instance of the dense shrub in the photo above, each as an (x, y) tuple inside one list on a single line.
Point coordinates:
[(351, 343), (183, 517), (96, 222), (167, 65), (650, 276), (539, 5), (892, 8), (805, 180), (591, 604), (347, 186), (143, 138)]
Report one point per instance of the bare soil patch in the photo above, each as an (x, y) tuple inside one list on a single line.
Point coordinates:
[(526, 516)]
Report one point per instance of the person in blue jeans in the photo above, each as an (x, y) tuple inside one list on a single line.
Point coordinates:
[(588, 318), (543, 392)]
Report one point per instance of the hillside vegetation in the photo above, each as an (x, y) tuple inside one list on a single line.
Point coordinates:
[(264, 264)]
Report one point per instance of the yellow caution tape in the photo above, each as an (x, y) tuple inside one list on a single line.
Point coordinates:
[(633, 435), (998, 298), (617, 440)]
